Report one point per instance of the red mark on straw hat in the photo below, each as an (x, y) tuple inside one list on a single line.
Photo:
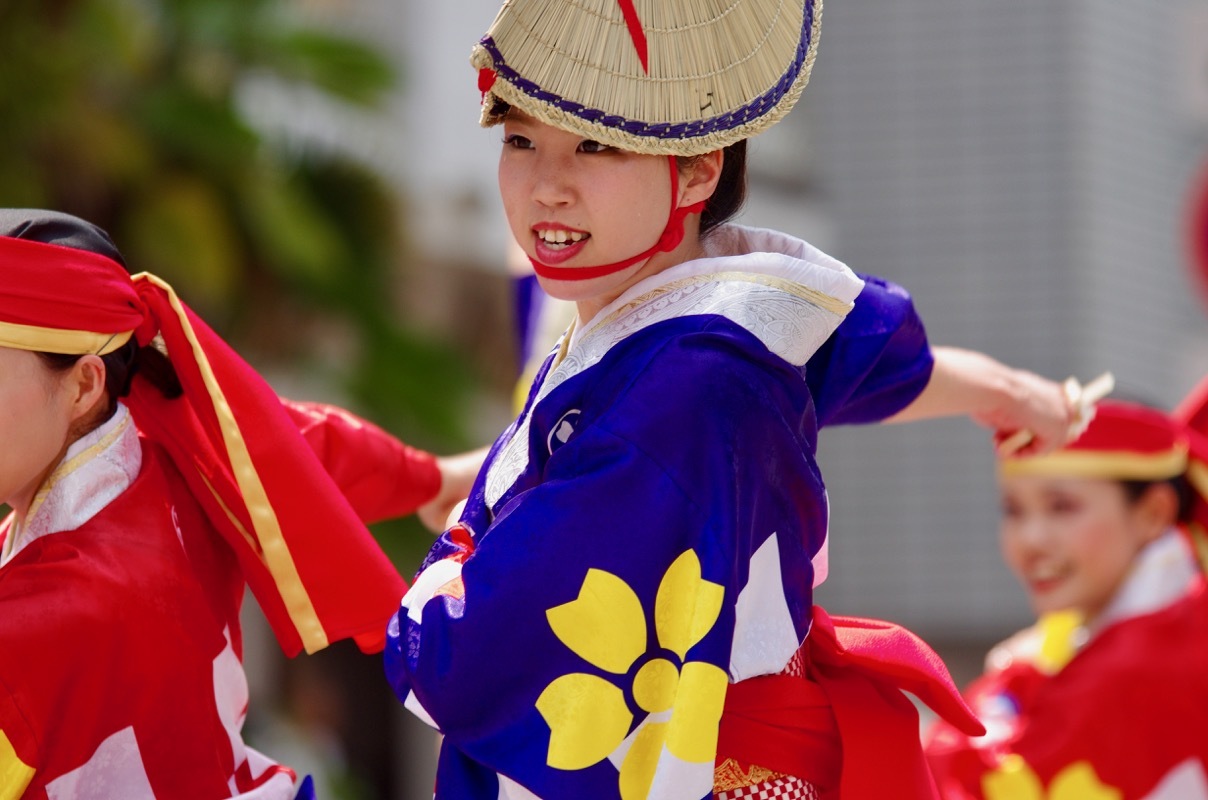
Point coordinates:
[(635, 30), (486, 79)]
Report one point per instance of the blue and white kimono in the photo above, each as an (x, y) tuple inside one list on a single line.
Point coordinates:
[(643, 534)]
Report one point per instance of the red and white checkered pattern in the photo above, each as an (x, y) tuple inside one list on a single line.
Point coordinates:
[(796, 665), (787, 787)]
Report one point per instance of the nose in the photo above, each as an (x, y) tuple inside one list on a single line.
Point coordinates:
[(1029, 533), (553, 180)]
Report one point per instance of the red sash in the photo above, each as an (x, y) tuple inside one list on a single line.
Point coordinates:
[(847, 726)]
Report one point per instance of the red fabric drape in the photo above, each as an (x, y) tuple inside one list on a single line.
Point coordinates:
[(847, 727), (315, 569)]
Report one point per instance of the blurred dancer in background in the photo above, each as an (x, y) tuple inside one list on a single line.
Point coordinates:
[(1106, 696)]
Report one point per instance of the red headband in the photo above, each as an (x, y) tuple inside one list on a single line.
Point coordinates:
[(263, 488), (672, 235), (1124, 441), (49, 286)]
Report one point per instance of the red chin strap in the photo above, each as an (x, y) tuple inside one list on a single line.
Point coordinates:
[(673, 234)]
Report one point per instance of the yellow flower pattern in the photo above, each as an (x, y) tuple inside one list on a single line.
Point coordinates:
[(15, 774), (1014, 779), (589, 717)]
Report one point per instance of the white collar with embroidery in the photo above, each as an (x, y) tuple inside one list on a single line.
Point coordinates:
[(740, 264), (787, 293), (96, 469)]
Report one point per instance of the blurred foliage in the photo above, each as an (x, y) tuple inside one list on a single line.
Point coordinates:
[(125, 112)]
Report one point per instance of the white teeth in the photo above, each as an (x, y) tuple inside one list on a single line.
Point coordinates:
[(1045, 573), (560, 236)]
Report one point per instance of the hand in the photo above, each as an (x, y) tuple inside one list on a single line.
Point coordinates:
[(1031, 416), (457, 474), (1081, 399)]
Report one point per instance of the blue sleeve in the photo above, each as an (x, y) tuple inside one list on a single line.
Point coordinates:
[(877, 361)]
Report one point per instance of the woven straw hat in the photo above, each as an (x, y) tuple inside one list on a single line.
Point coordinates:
[(665, 77)]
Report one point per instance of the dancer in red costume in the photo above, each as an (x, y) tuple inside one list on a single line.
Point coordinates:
[(1106, 697), (145, 491)]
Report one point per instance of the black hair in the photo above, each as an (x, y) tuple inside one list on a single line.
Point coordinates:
[(731, 191), (55, 227), (65, 230), (120, 368), (1133, 490)]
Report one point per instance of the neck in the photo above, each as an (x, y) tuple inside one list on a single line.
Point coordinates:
[(1163, 571), (21, 503), (690, 248), (90, 473)]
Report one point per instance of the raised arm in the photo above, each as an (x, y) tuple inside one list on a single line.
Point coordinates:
[(1002, 398)]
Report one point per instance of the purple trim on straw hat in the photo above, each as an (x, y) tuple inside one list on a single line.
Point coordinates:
[(666, 130)]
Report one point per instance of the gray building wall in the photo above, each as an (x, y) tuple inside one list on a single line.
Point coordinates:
[(1023, 170)]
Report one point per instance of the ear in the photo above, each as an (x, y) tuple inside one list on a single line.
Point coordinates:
[(701, 179), (85, 385), (1156, 511)]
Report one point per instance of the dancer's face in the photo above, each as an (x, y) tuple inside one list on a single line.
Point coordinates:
[(573, 202), (36, 415), (1072, 541)]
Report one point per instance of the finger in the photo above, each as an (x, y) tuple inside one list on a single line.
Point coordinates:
[(1014, 443), (1082, 401)]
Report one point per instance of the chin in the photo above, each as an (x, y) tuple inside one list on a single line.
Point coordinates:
[(589, 289), (570, 291), (1054, 603)]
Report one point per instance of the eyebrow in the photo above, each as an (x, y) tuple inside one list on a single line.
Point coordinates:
[(517, 115)]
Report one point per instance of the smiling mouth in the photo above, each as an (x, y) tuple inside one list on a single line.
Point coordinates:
[(1046, 578), (560, 239)]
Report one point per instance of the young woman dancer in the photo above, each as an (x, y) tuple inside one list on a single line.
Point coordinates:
[(145, 490), (625, 608), (1107, 695)]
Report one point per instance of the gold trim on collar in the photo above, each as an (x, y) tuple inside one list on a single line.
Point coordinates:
[(1115, 465), (564, 346), (56, 340), (812, 296), (69, 466)]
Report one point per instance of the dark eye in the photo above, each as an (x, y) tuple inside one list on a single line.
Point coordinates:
[(592, 146), (1064, 505), (517, 141)]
